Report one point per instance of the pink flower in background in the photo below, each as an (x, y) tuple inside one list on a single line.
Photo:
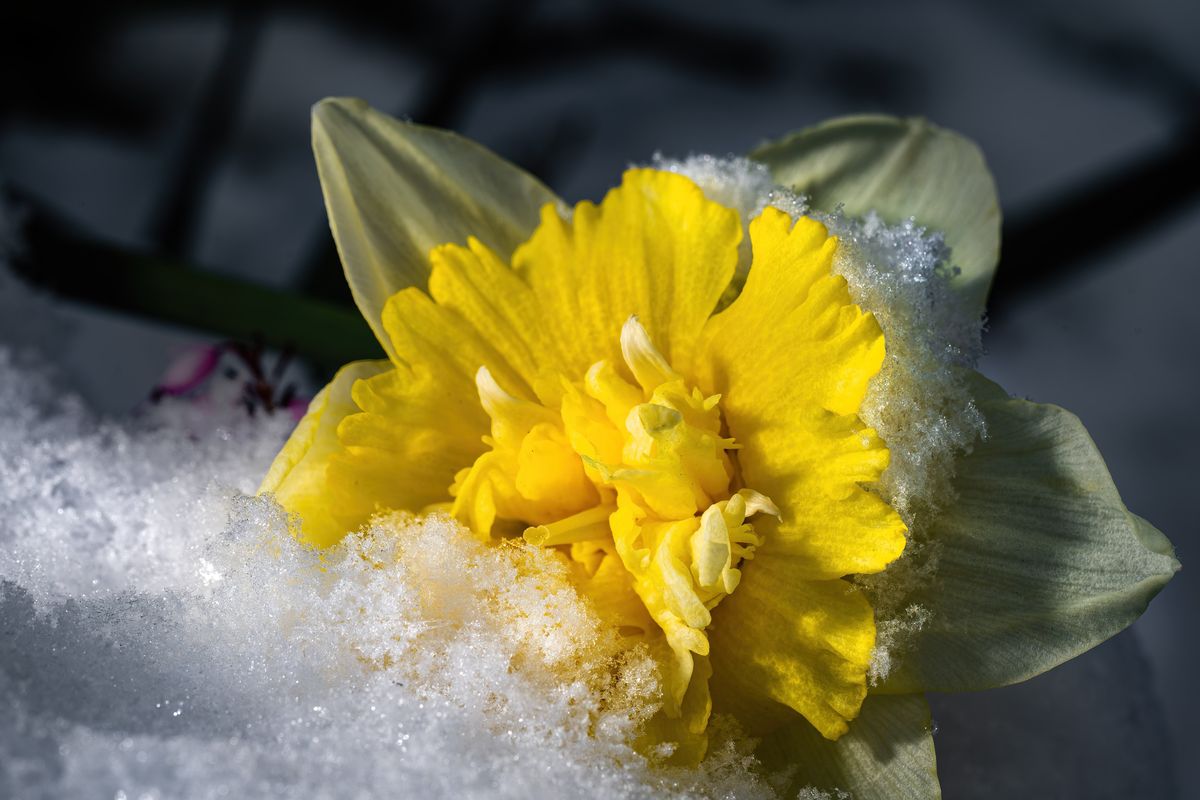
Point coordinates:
[(189, 371), (232, 374)]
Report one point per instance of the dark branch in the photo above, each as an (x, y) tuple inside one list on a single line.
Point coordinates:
[(174, 226)]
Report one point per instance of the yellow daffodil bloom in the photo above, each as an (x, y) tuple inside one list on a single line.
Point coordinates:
[(607, 382), (586, 396)]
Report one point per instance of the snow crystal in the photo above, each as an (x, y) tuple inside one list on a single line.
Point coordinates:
[(164, 635), (919, 402)]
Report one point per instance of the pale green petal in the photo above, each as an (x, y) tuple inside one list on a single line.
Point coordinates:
[(887, 755), (395, 190), (900, 168), (1036, 561)]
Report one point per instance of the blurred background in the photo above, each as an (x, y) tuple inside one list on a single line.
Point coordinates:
[(159, 192)]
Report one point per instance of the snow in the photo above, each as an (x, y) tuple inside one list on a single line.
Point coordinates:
[(164, 635)]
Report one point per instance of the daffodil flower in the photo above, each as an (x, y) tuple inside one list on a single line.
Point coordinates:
[(682, 418)]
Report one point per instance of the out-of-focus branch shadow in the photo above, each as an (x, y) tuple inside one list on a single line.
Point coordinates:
[(194, 165), (1073, 229)]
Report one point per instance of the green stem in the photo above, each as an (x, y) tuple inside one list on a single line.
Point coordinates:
[(74, 266)]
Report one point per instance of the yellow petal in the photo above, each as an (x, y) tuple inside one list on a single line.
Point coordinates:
[(649, 366), (550, 472), (421, 423), (512, 417), (805, 644), (428, 337), (603, 578), (403, 450), (792, 357), (297, 477), (474, 286), (532, 475), (655, 248)]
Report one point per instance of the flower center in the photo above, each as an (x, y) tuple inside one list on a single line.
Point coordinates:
[(639, 470)]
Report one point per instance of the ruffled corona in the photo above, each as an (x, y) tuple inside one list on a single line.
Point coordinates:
[(706, 474), (638, 472)]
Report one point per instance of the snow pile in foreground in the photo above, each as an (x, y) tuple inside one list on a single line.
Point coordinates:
[(165, 637)]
